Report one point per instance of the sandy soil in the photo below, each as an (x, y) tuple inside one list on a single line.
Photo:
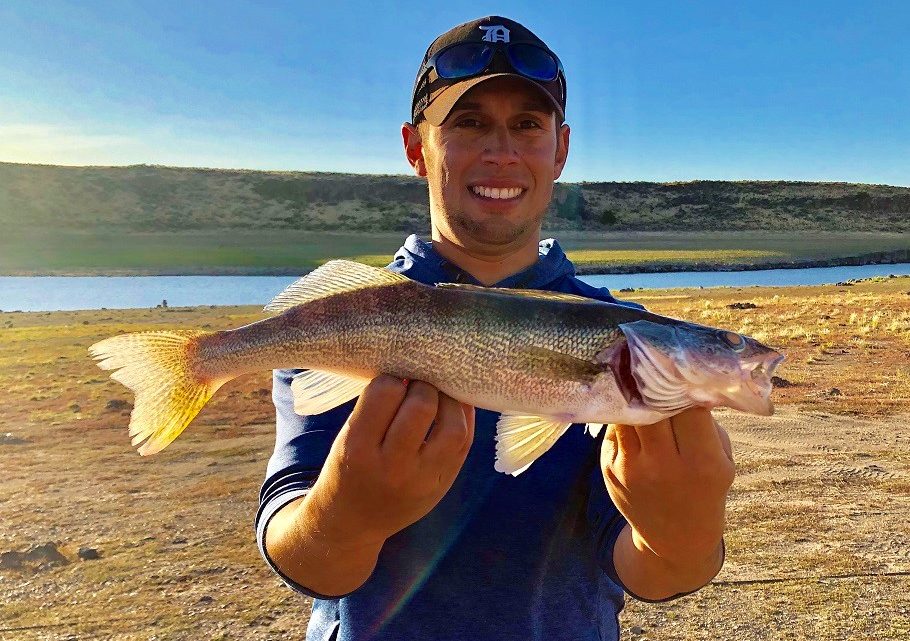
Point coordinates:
[(818, 542)]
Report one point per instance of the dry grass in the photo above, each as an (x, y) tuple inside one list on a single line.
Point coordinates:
[(823, 487), (828, 334), (609, 257)]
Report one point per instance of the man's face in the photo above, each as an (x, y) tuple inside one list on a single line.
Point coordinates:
[(491, 165)]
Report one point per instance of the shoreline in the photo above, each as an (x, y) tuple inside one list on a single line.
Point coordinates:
[(629, 294), (893, 257)]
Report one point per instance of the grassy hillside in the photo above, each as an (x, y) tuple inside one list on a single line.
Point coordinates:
[(162, 199), (292, 252)]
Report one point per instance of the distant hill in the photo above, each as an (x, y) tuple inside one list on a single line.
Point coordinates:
[(153, 198)]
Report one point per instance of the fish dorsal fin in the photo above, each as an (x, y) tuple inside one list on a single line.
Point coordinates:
[(316, 391), (522, 439), (333, 277), (538, 294)]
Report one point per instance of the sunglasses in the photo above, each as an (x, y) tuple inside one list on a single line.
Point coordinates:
[(465, 59)]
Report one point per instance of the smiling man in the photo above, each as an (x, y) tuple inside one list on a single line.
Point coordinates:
[(388, 511), (490, 167)]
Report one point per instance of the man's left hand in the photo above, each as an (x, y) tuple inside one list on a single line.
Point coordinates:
[(670, 480)]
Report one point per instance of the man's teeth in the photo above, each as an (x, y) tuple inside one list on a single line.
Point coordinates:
[(497, 192)]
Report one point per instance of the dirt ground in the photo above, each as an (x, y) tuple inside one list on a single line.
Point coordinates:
[(818, 545)]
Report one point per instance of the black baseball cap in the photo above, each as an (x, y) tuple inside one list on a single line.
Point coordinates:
[(476, 51)]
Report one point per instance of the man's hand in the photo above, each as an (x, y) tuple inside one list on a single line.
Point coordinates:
[(670, 480), (391, 463), (387, 467)]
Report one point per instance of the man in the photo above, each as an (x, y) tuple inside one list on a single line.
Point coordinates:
[(389, 512)]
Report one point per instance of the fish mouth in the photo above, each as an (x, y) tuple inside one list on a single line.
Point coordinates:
[(756, 378)]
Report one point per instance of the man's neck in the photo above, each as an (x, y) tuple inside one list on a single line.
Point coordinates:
[(490, 268)]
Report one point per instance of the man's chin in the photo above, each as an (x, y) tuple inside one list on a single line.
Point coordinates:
[(495, 231)]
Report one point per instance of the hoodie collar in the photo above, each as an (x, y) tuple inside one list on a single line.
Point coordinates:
[(418, 260)]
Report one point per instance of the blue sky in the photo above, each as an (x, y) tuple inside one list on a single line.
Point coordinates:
[(656, 90)]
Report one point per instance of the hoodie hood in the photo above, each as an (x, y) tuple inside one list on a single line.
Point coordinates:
[(419, 261)]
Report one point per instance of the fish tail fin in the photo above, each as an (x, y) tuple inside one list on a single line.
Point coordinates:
[(160, 368)]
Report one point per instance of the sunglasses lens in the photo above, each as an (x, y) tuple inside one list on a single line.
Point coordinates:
[(533, 62), (463, 60)]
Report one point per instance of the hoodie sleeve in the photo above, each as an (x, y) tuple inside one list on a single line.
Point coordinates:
[(605, 520), (302, 444)]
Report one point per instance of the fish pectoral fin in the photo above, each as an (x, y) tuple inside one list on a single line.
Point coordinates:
[(333, 277), (522, 439), (316, 391), (539, 294)]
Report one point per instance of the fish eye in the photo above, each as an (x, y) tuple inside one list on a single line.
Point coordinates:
[(734, 340)]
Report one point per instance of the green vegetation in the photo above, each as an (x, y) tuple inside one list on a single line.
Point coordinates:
[(295, 252), (145, 219), (150, 198), (648, 256), (727, 247), (187, 252)]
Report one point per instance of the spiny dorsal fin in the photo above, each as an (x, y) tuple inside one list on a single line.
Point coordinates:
[(521, 293), (333, 277)]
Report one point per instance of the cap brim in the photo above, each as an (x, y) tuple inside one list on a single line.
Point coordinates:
[(438, 110)]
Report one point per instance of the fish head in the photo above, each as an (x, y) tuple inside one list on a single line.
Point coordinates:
[(678, 365)]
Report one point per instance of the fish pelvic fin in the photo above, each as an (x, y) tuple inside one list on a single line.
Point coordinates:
[(522, 439), (158, 367), (333, 277)]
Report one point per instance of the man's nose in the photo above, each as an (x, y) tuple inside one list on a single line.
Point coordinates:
[(500, 147)]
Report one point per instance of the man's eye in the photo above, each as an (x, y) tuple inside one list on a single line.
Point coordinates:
[(529, 124), (468, 123)]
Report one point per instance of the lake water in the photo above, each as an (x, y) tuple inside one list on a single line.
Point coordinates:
[(50, 293)]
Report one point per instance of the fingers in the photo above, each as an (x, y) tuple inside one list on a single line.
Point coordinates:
[(609, 449), (375, 409), (469, 417), (410, 425), (452, 432), (627, 441), (725, 441), (657, 438), (696, 431)]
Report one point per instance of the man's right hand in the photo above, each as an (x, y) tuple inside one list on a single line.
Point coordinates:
[(384, 471), (391, 463)]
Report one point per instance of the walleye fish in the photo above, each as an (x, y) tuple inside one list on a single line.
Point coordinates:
[(544, 360)]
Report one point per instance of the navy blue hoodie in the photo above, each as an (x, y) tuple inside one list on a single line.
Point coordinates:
[(500, 557)]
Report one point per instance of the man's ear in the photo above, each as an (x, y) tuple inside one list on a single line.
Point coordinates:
[(413, 148), (562, 150)]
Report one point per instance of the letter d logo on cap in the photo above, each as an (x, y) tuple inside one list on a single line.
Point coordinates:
[(495, 33)]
